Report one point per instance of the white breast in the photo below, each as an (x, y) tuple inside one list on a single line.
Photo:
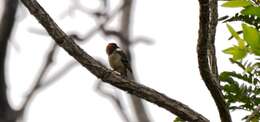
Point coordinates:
[(115, 61)]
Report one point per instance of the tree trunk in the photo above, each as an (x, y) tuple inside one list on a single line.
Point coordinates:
[(7, 114), (138, 105)]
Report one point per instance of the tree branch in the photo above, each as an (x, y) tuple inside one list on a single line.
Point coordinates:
[(75, 5), (115, 99), (104, 73), (57, 75), (6, 26), (205, 34), (103, 23), (254, 113), (38, 82), (125, 29), (213, 21)]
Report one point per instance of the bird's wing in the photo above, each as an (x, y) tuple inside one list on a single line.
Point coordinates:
[(125, 60)]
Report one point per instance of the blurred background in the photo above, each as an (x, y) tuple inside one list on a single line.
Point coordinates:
[(162, 42)]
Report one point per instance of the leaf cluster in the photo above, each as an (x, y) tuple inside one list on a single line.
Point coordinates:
[(242, 89)]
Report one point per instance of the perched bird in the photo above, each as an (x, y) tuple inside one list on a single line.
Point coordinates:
[(118, 59)]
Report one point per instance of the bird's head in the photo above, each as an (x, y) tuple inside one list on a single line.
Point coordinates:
[(111, 47)]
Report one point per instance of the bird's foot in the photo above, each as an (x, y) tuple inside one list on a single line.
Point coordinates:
[(116, 72)]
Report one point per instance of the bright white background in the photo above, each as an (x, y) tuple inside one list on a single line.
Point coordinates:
[(169, 65)]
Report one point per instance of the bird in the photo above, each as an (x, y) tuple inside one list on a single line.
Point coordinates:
[(118, 59)]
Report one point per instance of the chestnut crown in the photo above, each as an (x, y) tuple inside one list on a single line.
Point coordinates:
[(111, 47)]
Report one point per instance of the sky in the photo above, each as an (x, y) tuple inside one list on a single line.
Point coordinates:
[(169, 65)]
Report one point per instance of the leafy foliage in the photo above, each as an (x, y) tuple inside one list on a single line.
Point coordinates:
[(178, 119), (249, 19), (251, 10), (236, 4), (246, 94), (242, 88)]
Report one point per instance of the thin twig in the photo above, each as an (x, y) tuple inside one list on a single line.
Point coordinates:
[(114, 99), (256, 111), (101, 24), (65, 69), (92, 31), (142, 40), (37, 83), (76, 5)]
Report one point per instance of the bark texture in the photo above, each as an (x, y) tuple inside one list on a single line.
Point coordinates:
[(205, 41)]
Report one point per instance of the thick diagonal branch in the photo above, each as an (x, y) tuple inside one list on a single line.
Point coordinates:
[(104, 73), (204, 65)]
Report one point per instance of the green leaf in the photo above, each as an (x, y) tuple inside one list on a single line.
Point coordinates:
[(178, 119), (237, 53), (251, 11), (238, 63), (252, 37), (230, 88), (224, 76), (234, 4), (256, 51), (255, 119), (241, 42), (257, 100)]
